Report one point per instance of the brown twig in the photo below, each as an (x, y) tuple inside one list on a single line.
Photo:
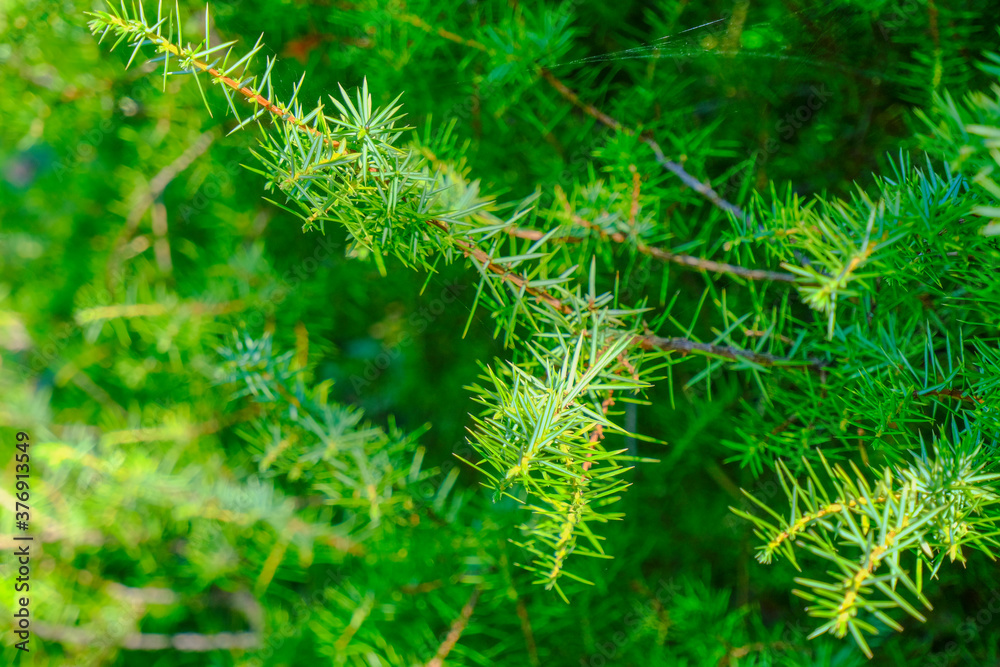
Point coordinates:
[(734, 653), (418, 22), (667, 256), (716, 267), (165, 45), (425, 587), (701, 188), (598, 432), (164, 177), (470, 250), (529, 637), (950, 393), (634, 209), (646, 342), (152, 192), (932, 17), (689, 180), (457, 628), (649, 342), (731, 41), (689, 261), (664, 622)]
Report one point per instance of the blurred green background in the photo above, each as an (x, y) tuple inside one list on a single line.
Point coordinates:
[(133, 243)]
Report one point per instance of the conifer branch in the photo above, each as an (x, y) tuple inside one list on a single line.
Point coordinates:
[(689, 261), (669, 165), (650, 342), (925, 509), (387, 202), (541, 433), (418, 22), (667, 256), (152, 192), (189, 59)]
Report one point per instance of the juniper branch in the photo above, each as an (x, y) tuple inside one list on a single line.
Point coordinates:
[(543, 416), (924, 507), (668, 256), (669, 165), (703, 189)]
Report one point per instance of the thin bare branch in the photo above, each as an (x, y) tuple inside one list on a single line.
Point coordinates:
[(649, 342), (701, 188), (457, 628), (667, 256)]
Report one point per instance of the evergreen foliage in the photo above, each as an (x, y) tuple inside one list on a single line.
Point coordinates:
[(842, 324)]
